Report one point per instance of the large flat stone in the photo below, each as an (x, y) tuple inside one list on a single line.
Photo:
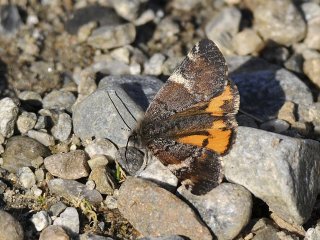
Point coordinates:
[(282, 171)]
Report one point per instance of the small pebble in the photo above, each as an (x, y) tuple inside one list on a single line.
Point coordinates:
[(154, 65), (69, 220), (247, 42), (39, 173), (275, 125), (26, 177), (102, 147), (107, 37), (8, 116), (62, 129), (42, 137), (91, 236), (26, 121), (74, 190), (287, 112), (11, 20), (10, 228), (279, 21), (131, 160), (223, 27), (312, 70), (57, 208), (41, 220), (98, 161), (22, 152), (42, 123), (111, 202), (54, 233), (59, 100), (103, 179), (71, 165)]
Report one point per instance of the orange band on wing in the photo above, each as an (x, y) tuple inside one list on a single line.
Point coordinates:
[(218, 140), (215, 105)]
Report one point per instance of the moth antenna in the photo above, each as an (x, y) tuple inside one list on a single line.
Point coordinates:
[(251, 116)]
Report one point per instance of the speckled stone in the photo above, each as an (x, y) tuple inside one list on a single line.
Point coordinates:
[(157, 212)]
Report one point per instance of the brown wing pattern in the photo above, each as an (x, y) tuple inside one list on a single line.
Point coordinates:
[(191, 122)]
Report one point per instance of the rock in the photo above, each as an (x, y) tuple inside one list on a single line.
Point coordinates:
[(154, 65), (74, 190), (157, 212), (275, 86), (105, 114), (41, 220), (311, 12), (142, 89), (10, 228), (42, 137), (163, 238), (3, 187), (98, 161), (111, 202), (161, 175), (90, 184), (287, 112), (54, 233), (69, 220), (10, 19), (102, 147), (111, 67), (309, 113), (103, 179), (26, 177), (167, 30), (312, 70), (275, 125), (59, 100), (264, 229), (185, 5), (90, 236), (121, 54), (107, 37), (276, 169), (145, 17), (170, 64), (71, 165), (247, 42), (22, 152), (313, 233), (85, 31), (226, 209), (222, 28), (42, 123), (278, 21), (128, 9), (275, 53), (295, 63), (30, 100), (26, 121), (47, 77), (8, 116), (62, 130), (57, 208), (131, 160), (104, 16)]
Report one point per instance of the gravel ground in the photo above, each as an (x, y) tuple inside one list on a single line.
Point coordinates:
[(76, 75)]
